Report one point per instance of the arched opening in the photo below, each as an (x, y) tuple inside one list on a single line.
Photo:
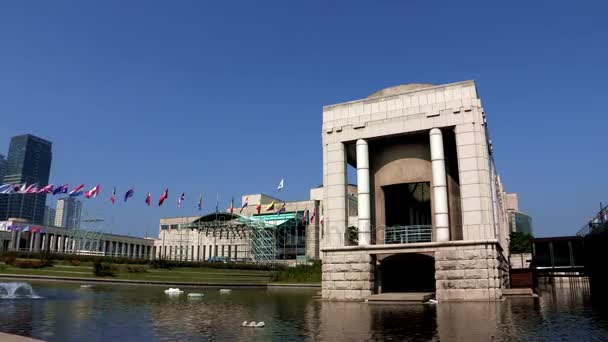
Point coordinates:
[(408, 272)]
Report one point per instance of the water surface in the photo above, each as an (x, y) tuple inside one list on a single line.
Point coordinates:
[(67, 312)]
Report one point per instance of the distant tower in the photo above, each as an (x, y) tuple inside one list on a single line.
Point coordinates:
[(3, 166), (67, 214), (49, 216), (29, 161)]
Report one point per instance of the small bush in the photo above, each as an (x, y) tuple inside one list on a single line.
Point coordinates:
[(104, 270), (9, 259), (136, 269), (72, 262), (28, 263), (162, 264)]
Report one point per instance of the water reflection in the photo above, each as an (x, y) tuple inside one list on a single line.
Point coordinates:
[(127, 313)]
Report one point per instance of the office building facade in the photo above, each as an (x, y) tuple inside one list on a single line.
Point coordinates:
[(67, 213), (29, 161)]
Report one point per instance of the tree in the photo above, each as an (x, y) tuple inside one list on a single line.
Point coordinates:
[(520, 243)]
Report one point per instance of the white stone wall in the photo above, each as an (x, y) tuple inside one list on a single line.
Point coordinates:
[(171, 241)]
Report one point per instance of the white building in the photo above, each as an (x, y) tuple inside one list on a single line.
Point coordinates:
[(68, 212)]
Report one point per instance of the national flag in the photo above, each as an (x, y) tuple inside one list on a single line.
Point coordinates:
[(258, 208), (180, 200), (200, 202), (26, 229), (305, 216), (113, 196), (129, 193), (47, 189), (77, 191), (32, 189), (20, 189), (231, 205), (322, 219), (148, 199), (93, 192), (6, 188), (281, 209), (270, 207), (62, 189), (281, 184), (314, 214), (217, 202), (34, 229), (245, 204), (163, 197)]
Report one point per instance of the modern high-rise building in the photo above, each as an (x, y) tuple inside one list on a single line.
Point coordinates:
[(67, 213), (3, 165), (29, 161), (49, 216)]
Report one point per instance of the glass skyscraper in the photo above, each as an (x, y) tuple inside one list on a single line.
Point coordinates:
[(3, 166), (29, 161)]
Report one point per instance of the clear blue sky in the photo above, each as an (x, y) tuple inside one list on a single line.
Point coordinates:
[(226, 96)]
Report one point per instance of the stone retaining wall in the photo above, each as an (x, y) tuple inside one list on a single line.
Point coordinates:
[(469, 273), (347, 276)]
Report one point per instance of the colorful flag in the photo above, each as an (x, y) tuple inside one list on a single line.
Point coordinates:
[(6, 188), (47, 189), (305, 216), (322, 219), (113, 196), (231, 205), (245, 204), (314, 214), (163, 197), (281, 209), (148, 199), (34, 229), (281, 185), (63, 189), (258, 208), (270, 207), (180, 200), (26, 229), (20, 189), (129, 193), (295, 213), (217, 202), (77, 191), (200, 202), (93, 192), (32, 189)]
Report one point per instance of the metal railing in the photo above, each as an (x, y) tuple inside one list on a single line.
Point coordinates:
[(408, 234)]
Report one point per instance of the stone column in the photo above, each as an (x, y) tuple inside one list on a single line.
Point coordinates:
[(13, 244), (30, 246), (335, 222), (440, 189), (363, 193)]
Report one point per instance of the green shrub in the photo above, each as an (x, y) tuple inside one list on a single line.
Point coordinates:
[(72, 262), (104, 270), (136, 269), (9, 259), (299, 274), (31, 263)]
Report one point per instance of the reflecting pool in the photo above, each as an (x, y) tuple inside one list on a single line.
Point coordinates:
[(69, 312)]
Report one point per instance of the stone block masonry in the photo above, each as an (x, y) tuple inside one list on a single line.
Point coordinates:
[(464, 271)]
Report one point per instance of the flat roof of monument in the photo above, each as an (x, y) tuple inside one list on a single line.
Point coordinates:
[(407, 89)]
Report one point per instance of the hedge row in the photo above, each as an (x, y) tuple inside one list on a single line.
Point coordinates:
[(156, 263)]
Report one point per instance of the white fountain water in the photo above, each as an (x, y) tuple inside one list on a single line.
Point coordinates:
[(17, 291)]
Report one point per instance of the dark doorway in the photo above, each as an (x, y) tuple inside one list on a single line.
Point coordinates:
[(407, 204), (409, 272)]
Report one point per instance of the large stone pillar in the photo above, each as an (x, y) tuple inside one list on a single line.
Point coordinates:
[(440, 189), (363, 193), (334, 189), (13, 244)]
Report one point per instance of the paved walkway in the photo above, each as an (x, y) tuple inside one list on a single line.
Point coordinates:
[(16, 338)]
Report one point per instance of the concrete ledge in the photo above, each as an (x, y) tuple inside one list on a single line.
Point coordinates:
[(418, 245), (156, 283), (16, 338), (403, 297)]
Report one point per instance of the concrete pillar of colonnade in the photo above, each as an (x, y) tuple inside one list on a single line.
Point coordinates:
[(440, 189), (363, 193)]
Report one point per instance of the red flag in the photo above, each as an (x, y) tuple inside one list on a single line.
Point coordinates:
[(304, 216), (148, 199), (314, 214), (163, 197), (258, 208), (113, 197)]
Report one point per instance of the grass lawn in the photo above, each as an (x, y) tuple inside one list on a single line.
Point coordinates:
[(181, 274)]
